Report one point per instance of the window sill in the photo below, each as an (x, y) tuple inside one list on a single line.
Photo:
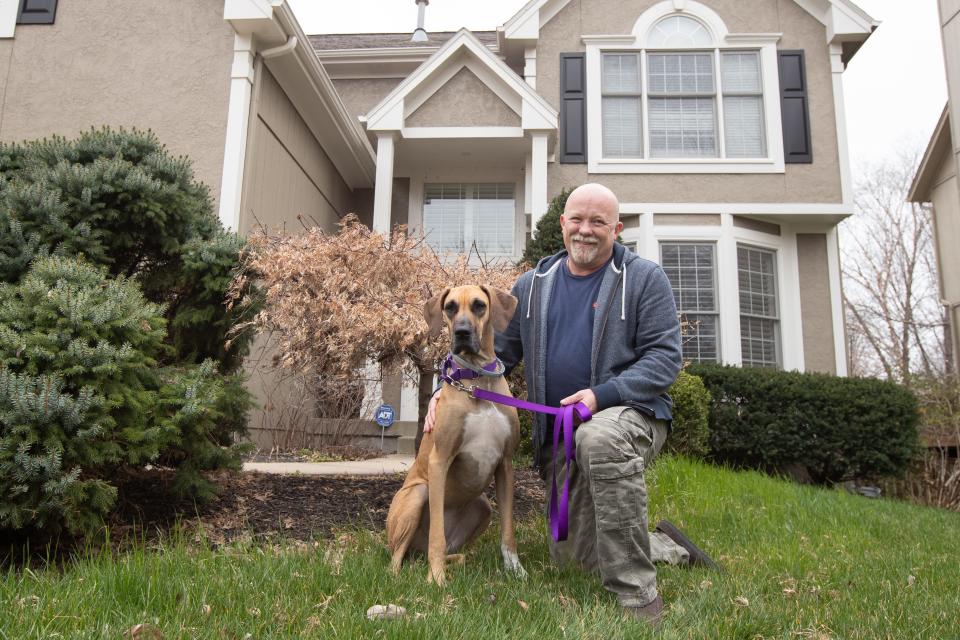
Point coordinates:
[(686, 165)]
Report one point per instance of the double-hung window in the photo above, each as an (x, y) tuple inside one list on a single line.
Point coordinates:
[(470, 218), (681, 96), (691, 268), (759, 313)]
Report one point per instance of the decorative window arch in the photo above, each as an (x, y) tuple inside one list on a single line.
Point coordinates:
[(683, 90), (678, 31)]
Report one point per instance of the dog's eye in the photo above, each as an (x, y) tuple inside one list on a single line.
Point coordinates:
[(478, 307), (450, 308)]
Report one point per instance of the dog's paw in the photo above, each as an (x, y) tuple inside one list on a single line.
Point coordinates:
[(511, 562)]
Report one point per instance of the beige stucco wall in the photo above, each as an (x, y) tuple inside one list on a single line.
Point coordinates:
[(464, 101), (288, 172), (362, 95), (756, 225), (687, 219), (158, 65), (815, 312), (818, 182)]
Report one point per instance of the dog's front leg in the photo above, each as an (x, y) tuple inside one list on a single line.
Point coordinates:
[(508, 543), (437, 543)]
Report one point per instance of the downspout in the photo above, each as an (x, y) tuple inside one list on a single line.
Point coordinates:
[(286, 47)]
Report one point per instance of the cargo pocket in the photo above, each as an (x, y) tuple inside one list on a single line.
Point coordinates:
[(619, 491)]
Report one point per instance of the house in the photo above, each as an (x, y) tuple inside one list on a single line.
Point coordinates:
[(719, 124), (936, 182)]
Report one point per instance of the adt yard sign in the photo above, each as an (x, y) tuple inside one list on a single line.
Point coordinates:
[(385, 416)]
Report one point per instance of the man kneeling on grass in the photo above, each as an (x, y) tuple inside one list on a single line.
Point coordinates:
[(596, 324)]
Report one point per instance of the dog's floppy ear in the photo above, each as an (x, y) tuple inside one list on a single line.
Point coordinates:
[(433, 312), (502, 306)]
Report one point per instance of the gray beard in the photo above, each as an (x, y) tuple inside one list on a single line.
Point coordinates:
[(583, 255)]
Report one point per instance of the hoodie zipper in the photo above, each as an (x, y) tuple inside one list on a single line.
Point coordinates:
[(603, 327)]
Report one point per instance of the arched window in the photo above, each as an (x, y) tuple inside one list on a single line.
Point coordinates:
[(678, 32)]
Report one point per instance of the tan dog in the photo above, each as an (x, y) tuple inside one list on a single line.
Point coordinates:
[(471, 443)]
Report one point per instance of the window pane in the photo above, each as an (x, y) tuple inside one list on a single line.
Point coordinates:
[(759, 322), (682, 127), (457, 217), (621, 73), (680, 73), (678, 31), (741, 72), (691, 271), (621, 127), (758, 342), (743, 126)]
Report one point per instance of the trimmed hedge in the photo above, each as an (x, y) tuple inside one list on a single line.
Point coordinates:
[(824, 427)]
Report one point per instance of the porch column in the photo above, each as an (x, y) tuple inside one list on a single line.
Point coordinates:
[(383, 190), (238, 117), (538, 178)]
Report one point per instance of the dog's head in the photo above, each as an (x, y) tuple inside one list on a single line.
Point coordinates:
[(470, 312)]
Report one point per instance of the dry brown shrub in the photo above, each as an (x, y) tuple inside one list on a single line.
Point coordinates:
[(336, 302), (934, 479)]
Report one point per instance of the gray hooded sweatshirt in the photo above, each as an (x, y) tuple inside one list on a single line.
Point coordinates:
[(635, 348)]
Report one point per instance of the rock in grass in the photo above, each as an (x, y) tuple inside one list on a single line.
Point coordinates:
[(386, 612)]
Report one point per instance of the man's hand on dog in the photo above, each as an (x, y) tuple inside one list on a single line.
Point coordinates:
[(585, 396)]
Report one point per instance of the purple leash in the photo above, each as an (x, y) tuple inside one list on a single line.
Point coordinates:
[(566, 418)]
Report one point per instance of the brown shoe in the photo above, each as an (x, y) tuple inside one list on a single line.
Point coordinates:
[(652, 612), (697, 557)]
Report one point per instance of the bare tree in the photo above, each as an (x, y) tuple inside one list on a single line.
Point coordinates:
[(894, 319)]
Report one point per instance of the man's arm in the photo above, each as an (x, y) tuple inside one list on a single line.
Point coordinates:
[(509, 345)]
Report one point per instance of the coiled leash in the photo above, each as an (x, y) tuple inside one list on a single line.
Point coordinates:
[(566, 419)]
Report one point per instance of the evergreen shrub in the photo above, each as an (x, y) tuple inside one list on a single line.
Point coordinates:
[(81, 395), (120, 200), (826, 427), (691, 410)]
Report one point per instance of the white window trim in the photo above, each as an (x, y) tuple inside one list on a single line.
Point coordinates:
[(765, 43), (9, 9), (648, 237)]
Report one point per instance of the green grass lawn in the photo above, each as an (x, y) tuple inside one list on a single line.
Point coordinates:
[(801, 563)]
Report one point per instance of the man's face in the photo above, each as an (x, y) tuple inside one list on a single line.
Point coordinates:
[(590, 225)]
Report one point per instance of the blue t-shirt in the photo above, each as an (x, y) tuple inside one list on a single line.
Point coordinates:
[(573, 305)]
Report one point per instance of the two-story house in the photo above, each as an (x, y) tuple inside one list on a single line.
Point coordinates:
[(719, 124)]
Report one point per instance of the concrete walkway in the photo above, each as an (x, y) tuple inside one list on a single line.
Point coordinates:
[(387, 465)]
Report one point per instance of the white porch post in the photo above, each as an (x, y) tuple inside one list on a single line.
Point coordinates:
[(383, 190), (538, 178), (238, 117)]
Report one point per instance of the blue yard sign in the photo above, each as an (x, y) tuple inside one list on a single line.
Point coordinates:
[(384, 418)]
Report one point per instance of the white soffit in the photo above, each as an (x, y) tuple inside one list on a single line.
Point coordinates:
[(463, 49)]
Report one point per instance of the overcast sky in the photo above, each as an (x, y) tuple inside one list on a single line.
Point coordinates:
[(894, 88)]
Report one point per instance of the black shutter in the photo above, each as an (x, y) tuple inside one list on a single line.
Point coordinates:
[(573, 108), (793, 108), (37, 11)]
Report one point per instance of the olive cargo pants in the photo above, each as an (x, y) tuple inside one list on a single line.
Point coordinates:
[(608, 529)]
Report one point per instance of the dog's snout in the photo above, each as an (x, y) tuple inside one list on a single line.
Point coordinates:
[(462, 328)]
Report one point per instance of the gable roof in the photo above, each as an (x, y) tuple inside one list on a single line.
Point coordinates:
[(940, 145), (348, 41), (845, 21), (535, 113)]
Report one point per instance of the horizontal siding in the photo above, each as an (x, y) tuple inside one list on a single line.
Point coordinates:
[(290, 173)]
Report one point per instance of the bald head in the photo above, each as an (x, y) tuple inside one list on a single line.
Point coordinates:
[(594, 197), (590, 224)]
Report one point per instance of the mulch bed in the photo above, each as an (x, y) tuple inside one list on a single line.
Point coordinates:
[(269, 507)]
